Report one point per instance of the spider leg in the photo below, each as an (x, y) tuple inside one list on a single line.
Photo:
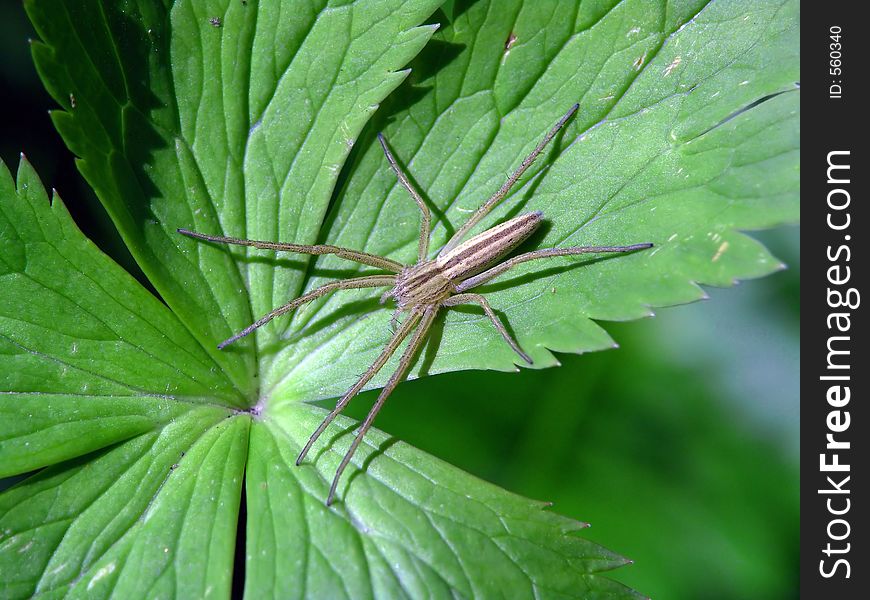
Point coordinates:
[(479, 299), (380, 361), (396, 378), (394, 319), (506, 187), (543, 253), (372, 260), (425, 223), (344, 284)]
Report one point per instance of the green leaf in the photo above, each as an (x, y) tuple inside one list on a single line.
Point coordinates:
[(89, 357), (413, 526), (102, 381), (687, 133), (240, 129), (259, 120), (143, 495), (126, 521)]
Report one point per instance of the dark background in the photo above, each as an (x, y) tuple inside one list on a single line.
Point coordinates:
[(681, 447), (830, 125)]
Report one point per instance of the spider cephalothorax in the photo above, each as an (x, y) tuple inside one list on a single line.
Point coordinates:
[(421, 284)]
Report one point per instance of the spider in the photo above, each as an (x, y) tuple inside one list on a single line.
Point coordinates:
[(423, 288)]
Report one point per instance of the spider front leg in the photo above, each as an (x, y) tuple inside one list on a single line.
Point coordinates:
[(346, 284), (425, 223), (380, 361), (357, 256), (477, 298), (373, 260), (428, 316)]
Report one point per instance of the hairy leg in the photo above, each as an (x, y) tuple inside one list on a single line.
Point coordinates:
[(345, 284), (423, 245), (380, 361), (477, 298), (401, 372), (497, 270), (373, 260), (506, 187)]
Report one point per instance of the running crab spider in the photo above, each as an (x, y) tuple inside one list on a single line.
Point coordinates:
[(425, 287)]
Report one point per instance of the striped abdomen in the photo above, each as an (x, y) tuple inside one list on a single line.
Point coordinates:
[(484, 249)]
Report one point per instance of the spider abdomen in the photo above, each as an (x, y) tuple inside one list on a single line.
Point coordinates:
[(486, 248)]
